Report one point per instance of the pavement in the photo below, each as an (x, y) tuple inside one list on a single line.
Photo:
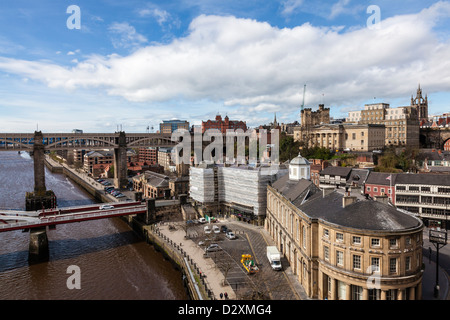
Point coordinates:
[(213, 276), (429, 279), (257, 239)]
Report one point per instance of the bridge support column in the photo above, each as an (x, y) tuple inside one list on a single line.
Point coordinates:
[(38, 248), (120, 162), (38, 158), (149, 216), (41, 198)]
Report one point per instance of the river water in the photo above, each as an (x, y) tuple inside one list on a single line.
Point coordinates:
[(114, 263)]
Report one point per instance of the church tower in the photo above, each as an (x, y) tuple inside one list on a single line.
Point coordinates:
[(421, 104)]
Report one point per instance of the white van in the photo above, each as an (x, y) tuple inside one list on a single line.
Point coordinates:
[(207, 229)]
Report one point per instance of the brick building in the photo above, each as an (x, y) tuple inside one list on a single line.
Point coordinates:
[(223, 125)]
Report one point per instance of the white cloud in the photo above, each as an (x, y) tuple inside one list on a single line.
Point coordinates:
[(289, 6), (123, 35), (254, 67)]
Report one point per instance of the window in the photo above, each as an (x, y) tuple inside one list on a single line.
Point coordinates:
[(375, 264), (375, 242), (393, 243), (393, 265), (357, 292), (326, 253), (340, 258), (408, 263), (408, 241), (339, 237), (374, 294), (356, 240), (357, 262), (304, 237)]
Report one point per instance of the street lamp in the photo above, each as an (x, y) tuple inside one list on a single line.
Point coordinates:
[(439, 239)]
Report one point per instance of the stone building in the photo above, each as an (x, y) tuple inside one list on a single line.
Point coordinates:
[(344, 248), (351, 137), (311, 118), (402, 123)]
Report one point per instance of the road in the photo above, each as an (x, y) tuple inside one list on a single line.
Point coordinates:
[(266, 283)]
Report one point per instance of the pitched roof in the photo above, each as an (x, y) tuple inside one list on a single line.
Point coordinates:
[(293, 190), (381, 178), (336, 171)]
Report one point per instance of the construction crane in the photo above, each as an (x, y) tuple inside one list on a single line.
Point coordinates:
[(303, 103)]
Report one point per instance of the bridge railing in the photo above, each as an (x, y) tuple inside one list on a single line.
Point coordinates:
[(70, 217)]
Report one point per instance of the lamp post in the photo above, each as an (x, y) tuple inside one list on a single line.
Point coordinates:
[(439, 239)]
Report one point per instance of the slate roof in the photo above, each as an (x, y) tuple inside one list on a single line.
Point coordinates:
[(380, 178), (431, 179), (358, 176), (295, 191), (364, 214), (336, 171)]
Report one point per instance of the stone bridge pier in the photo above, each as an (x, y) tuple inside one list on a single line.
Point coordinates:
[(120, 162), (40, 199)]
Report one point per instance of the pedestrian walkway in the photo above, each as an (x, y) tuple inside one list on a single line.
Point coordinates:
[(214, 277)]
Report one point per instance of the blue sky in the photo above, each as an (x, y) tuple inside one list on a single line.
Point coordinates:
[(136, 63)]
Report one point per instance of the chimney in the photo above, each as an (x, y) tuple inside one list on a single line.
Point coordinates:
[(383, 198), (347, 199)]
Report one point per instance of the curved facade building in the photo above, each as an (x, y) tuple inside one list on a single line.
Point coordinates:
[(342, 247)]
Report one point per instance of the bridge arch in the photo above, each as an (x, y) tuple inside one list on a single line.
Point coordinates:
[(22, 145), (78, 142), (152, 142)]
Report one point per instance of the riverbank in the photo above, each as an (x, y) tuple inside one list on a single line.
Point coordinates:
[(81, 178), (195, 283)]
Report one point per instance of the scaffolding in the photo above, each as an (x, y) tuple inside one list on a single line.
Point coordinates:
[(243, 185)]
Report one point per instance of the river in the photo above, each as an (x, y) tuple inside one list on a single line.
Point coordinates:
[(114, 263)]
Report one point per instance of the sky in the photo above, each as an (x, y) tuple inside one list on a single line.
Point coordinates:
[(104, 65)]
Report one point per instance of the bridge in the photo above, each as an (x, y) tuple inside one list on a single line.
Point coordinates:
[(19, 220), (39, 143), (434, 137), (38, 221)]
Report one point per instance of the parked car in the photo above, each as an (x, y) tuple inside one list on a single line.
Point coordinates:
[(207, 229), (230, 235), (224, 228), (202, 220), (216, 229), (213, 247)]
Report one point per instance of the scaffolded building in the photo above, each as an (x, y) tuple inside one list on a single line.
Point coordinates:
[(236, 189)]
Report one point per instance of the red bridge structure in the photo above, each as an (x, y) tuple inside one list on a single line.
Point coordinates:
[(37, 221)]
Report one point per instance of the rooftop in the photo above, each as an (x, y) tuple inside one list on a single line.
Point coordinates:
[(362, 214)]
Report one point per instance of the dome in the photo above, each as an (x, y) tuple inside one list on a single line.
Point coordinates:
[(299, 168), (299, 160)]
